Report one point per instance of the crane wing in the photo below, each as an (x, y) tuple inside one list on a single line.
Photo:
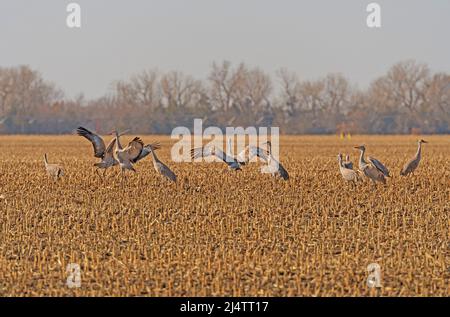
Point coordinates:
[(146, 150), (110, 147), (348, 165), (249, 152), (379, 166), (204, 151), (210, 151), (134, 149), (409, 167), (282, 171), (97, 141), (257, 151), (225, 157), (167, 172), (242, 158)]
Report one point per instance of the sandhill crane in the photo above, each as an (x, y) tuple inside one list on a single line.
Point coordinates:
[(212, 150), (146, 150), (347, 173), (162, 168), (411, 166), (273, 166), (53, 170), (106, 154), (374, 170), (347, 163), (249, 152), (133, 153), (246, 154)]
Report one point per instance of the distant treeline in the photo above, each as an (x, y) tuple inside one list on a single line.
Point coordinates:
[(408, 99)]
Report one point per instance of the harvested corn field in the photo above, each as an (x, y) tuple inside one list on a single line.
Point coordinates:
[(217, 232)]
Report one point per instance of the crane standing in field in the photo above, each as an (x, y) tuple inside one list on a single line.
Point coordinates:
[(106, 154), (54, 170), (347, 163), (347, 171), (373, 169), (162, 168), (412, 165), (273, 166)]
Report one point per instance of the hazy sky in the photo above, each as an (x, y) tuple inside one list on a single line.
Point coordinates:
[(119, 38)]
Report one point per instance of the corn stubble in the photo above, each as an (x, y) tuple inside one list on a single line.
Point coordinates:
[(221, 233)]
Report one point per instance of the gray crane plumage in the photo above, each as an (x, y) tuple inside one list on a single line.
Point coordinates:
[(212, 150), (374, 169), (347, 163), (160, 167), (347, 173), (126, 156), (412, 165), (106, 154), (273, 166), (54, 170), (249, 152)]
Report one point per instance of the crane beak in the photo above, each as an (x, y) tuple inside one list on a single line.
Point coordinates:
[(423, 141)]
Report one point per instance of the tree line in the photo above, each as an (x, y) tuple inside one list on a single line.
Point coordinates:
[(409, 98)]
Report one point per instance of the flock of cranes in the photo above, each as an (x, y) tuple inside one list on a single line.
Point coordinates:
[(236, 163), (373, 169), (126, 157)]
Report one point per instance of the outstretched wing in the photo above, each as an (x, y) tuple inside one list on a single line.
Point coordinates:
[(249, 152), (110, 147), (199, 152), (213, 151), (134, 149), (379, 166), (146, 150), (282, 171), (262, 154), (97, 141)]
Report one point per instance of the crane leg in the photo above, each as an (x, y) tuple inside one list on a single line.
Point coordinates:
[(98, 174), (123, 176)]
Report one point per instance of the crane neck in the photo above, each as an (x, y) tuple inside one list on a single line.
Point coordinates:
[(340, 161), (119, 145), (152, 152), (269, 147), (419, 150), (361, 158)]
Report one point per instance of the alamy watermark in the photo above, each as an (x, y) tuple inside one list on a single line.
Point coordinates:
[(373, 19), (74, 275), (73, 19), (374, 278), (241, 144)]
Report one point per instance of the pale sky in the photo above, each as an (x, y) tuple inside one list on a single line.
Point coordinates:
[(119, 38)]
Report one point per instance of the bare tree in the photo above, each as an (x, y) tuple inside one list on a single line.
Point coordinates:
[(409, 98), (180, 91)]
